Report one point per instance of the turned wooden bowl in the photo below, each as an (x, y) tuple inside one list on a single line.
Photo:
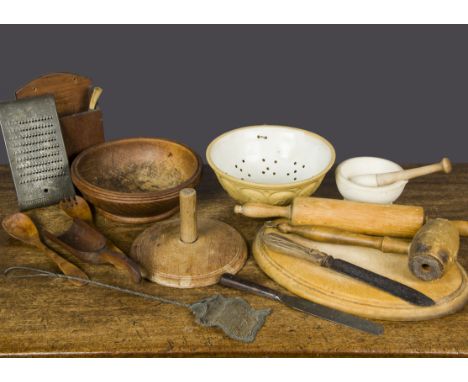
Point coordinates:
[(136, 180)]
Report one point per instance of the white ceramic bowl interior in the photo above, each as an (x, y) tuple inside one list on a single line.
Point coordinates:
[(271, 154), (368, 165)]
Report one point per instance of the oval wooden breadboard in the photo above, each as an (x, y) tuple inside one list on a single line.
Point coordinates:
[(327, 287)]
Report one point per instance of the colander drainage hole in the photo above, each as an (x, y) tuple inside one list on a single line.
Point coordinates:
[(243, 160), (275, 161), (263, 172), (274, 173), (268, 168), (263, 159)]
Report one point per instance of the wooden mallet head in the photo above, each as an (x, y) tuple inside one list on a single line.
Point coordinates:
[(433, 248)]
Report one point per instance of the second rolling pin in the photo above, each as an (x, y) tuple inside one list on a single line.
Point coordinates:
[(339, 236), (373, 219)]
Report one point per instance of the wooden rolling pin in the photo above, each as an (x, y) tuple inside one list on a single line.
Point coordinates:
[(373, 219), (376, 180), (434, 247)]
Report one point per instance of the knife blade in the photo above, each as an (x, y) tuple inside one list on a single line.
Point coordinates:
[(302, 305), (289, 247)]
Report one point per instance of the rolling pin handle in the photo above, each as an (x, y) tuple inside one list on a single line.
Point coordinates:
[(260, 210)]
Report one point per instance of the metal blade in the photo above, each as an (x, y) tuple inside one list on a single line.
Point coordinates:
[(330, 314), (381, 282)]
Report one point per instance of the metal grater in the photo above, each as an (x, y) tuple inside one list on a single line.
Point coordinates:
[(36, 151)]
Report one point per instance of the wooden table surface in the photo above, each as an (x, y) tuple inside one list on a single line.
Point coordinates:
[(44, 317)]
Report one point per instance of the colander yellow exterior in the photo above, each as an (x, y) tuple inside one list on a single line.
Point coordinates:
[(281, 193)]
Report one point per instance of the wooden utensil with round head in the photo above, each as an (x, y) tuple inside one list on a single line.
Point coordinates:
[(191, 252), (376, 180), (21, 227)]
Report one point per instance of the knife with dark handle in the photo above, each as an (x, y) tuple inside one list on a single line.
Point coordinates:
[(301, 304), (284, 245)]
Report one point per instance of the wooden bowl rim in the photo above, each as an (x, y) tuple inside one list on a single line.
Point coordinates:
[(274, 186), (90, 188)]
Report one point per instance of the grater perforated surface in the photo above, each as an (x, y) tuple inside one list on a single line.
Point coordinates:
[(36, 151)]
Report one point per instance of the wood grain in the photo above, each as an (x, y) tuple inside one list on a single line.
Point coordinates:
[(71, 91), (50, 318), (297, 271)]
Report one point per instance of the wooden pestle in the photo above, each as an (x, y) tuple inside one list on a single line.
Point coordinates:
[(367, 218), (433, 248), (376, 180)]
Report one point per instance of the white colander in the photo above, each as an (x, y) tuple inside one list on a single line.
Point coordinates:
[(269, 157)]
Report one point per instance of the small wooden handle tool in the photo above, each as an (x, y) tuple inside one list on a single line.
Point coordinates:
[(375, 180), (338, 236), (97, 91), (367, 218)]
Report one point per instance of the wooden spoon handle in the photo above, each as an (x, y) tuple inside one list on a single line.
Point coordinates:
[(122, 262), (97, 91), (392, 177), (66, 267)]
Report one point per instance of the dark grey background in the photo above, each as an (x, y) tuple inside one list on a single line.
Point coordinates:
[(399, 92)]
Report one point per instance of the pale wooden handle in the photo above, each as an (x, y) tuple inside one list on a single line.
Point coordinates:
[(392, 177), (188, 215), (97, 91), (462, 226), (339, 236), (393, 245), (259, 210)]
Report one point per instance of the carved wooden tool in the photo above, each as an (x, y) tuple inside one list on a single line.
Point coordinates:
[(375, 180), (21, 227), (373, 219), (288, 247), (434, 247), (89, 245), (302, 305), (78, 208), (189, 252)]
